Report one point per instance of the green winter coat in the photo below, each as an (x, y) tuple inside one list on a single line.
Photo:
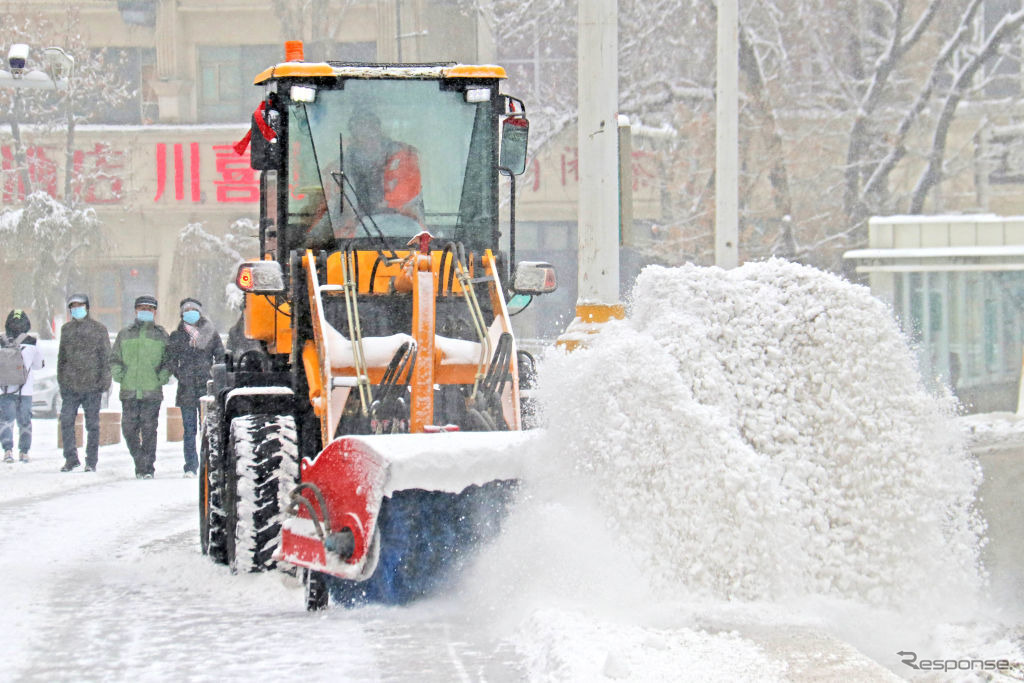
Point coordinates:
[(138, 361)]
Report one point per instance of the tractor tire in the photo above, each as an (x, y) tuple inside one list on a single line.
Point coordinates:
[(204, 497), (317, 595), (265, 452), (212, 516)]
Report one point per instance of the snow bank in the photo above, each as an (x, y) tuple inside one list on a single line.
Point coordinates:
[(988, 432), (763, 433), (568, 646)]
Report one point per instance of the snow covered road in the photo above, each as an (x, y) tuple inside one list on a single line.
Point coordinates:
[(103, 580)]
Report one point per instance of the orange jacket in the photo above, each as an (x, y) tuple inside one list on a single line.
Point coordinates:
[(402, 185)]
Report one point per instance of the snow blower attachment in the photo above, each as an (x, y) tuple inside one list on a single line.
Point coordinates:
[(368, 504), (368, 430)]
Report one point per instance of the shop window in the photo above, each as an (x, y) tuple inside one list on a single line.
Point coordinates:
[(991, 335), (935, 301), (225, 89), (132, 67)]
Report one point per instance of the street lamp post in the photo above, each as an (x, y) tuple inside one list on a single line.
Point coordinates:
[(727, 138), (19, 151), (59, 66)]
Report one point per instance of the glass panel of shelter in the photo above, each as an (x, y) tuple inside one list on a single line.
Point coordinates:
[(966, 326)]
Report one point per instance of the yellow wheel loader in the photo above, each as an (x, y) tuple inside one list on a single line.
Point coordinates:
[(369, 430)]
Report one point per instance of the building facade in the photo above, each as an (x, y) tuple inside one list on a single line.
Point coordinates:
[(956, 286), (162, 160)]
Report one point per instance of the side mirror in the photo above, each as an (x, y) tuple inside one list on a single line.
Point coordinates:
[(264, 154), (519, 303), (515, 131), (260, 277), (534, 277)]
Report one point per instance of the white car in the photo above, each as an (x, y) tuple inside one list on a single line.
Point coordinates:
[(45, 390)]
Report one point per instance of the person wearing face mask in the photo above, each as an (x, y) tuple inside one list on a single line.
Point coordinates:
[(139, 363), (83, 374), (192, 350)]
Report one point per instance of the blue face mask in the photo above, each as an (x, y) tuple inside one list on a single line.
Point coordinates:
[(191, 317), (78, 312), (144, 316)]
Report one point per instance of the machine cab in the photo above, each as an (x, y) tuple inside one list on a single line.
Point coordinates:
[(369, 156)]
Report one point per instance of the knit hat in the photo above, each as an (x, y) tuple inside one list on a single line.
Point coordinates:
[(78, 299), (190, 304), (145, 300), (17, 323)]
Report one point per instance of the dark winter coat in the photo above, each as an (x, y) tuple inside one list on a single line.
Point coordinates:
[(138, 361), (191, 363), (83, 357)]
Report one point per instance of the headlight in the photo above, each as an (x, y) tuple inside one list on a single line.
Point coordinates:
[(260, 277)]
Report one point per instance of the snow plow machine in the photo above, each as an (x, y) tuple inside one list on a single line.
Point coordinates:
[(368, 429)]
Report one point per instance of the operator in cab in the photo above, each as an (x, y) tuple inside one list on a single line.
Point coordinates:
[(385, 173), (381, 181)]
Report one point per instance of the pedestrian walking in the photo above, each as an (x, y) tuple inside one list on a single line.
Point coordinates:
[(138, 362), (83, 374), (16, 399), (193, 348)]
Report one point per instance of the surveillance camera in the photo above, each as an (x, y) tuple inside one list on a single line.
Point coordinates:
[(17, 56)]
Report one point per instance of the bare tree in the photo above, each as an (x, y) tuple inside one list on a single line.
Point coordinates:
[(316, 21), (836, 99), (50, 241), (1007, 29), (206, 264)]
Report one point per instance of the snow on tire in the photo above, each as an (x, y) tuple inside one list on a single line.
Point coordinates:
[(266, 470), (213, 517)]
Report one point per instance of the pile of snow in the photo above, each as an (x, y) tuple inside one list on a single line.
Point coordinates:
[(763, 433)]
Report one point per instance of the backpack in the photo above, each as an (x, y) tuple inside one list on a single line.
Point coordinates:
[(12, 366)]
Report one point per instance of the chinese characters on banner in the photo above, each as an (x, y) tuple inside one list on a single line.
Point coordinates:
[(562, 170), (42, 173), (103, 167), (101, 173), (236, 181), (178, 170), (97, 173)]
